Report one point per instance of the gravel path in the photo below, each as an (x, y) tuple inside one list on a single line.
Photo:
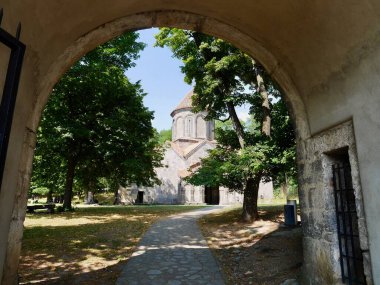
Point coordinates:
[(173, 252)]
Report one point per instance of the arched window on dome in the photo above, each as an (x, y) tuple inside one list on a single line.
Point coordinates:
[(189, 126), (179, 129)]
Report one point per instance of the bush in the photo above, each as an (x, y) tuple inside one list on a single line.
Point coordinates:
[(40, 191)]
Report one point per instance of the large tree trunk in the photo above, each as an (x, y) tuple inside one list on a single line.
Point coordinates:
[(49, 198), (116, 201), (251, 193), (89, 193), (266, 120), (251, 190), (69, 183), (284, 187), (236, 123), (89, 197)]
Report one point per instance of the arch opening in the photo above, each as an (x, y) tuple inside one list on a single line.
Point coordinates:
[(161, 19)]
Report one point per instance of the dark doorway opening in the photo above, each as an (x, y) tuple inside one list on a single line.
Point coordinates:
[(140, 197), (351, 255), (212, 195)]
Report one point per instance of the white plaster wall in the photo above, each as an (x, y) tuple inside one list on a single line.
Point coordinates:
[(354, 92)]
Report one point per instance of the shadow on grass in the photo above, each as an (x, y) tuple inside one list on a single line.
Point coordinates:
[(104, 276), (104, 237), (94, 211)]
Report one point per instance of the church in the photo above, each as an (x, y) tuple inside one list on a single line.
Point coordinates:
[(192, 138)]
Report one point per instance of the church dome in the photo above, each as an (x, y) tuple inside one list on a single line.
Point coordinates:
[(184, 104), (188, 125)]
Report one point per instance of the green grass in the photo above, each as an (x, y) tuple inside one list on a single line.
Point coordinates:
[(233, 215), (90, 237)]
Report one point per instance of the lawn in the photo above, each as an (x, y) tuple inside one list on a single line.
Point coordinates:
[(88, 246)]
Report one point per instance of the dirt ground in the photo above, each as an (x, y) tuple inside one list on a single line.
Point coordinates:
[(264, 252)]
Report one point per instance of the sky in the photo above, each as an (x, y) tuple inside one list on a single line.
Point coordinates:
[(162, 80)]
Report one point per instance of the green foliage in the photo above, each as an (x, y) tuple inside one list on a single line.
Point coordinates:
[(231, 167), (95, 121), (41, 191), (224, 76), (216, 67), (164, 136)]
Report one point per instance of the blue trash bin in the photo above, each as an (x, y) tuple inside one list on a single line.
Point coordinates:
[(290, 219)]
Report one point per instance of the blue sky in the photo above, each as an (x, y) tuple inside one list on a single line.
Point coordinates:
[(162, 80)]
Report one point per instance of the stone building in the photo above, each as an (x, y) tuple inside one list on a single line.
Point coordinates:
[(192, 138)]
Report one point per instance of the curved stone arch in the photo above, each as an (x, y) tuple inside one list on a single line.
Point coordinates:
[(197, 129), (178, 19), (180, 127), (46, 80)]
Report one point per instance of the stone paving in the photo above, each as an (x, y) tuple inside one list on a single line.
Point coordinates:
[(173, 252)]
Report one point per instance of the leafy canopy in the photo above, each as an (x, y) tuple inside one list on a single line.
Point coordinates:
[(95, 121)]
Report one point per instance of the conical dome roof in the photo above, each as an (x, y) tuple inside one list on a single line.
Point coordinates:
[(185, 103)]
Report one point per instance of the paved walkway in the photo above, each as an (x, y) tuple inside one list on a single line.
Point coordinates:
[(173, 252)]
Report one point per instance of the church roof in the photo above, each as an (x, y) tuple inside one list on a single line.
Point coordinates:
[(185, 103), (185, 151)]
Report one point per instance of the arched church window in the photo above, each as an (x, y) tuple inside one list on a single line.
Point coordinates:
[(189, 127), (179, 128)]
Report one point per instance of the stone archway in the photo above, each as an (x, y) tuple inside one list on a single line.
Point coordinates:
[(108, 31), (316, 60)]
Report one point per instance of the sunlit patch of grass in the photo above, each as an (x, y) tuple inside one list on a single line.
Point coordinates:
[(92, 239)]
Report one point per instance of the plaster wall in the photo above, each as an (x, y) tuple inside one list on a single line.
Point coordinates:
[(16, 174), (353, 93)]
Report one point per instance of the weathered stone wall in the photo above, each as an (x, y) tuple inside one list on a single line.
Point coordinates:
[(321, 248), (173, 190)]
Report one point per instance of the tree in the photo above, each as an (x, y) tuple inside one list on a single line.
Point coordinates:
[(95, 124), (164, 136), (230, 166), (222, 74)]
